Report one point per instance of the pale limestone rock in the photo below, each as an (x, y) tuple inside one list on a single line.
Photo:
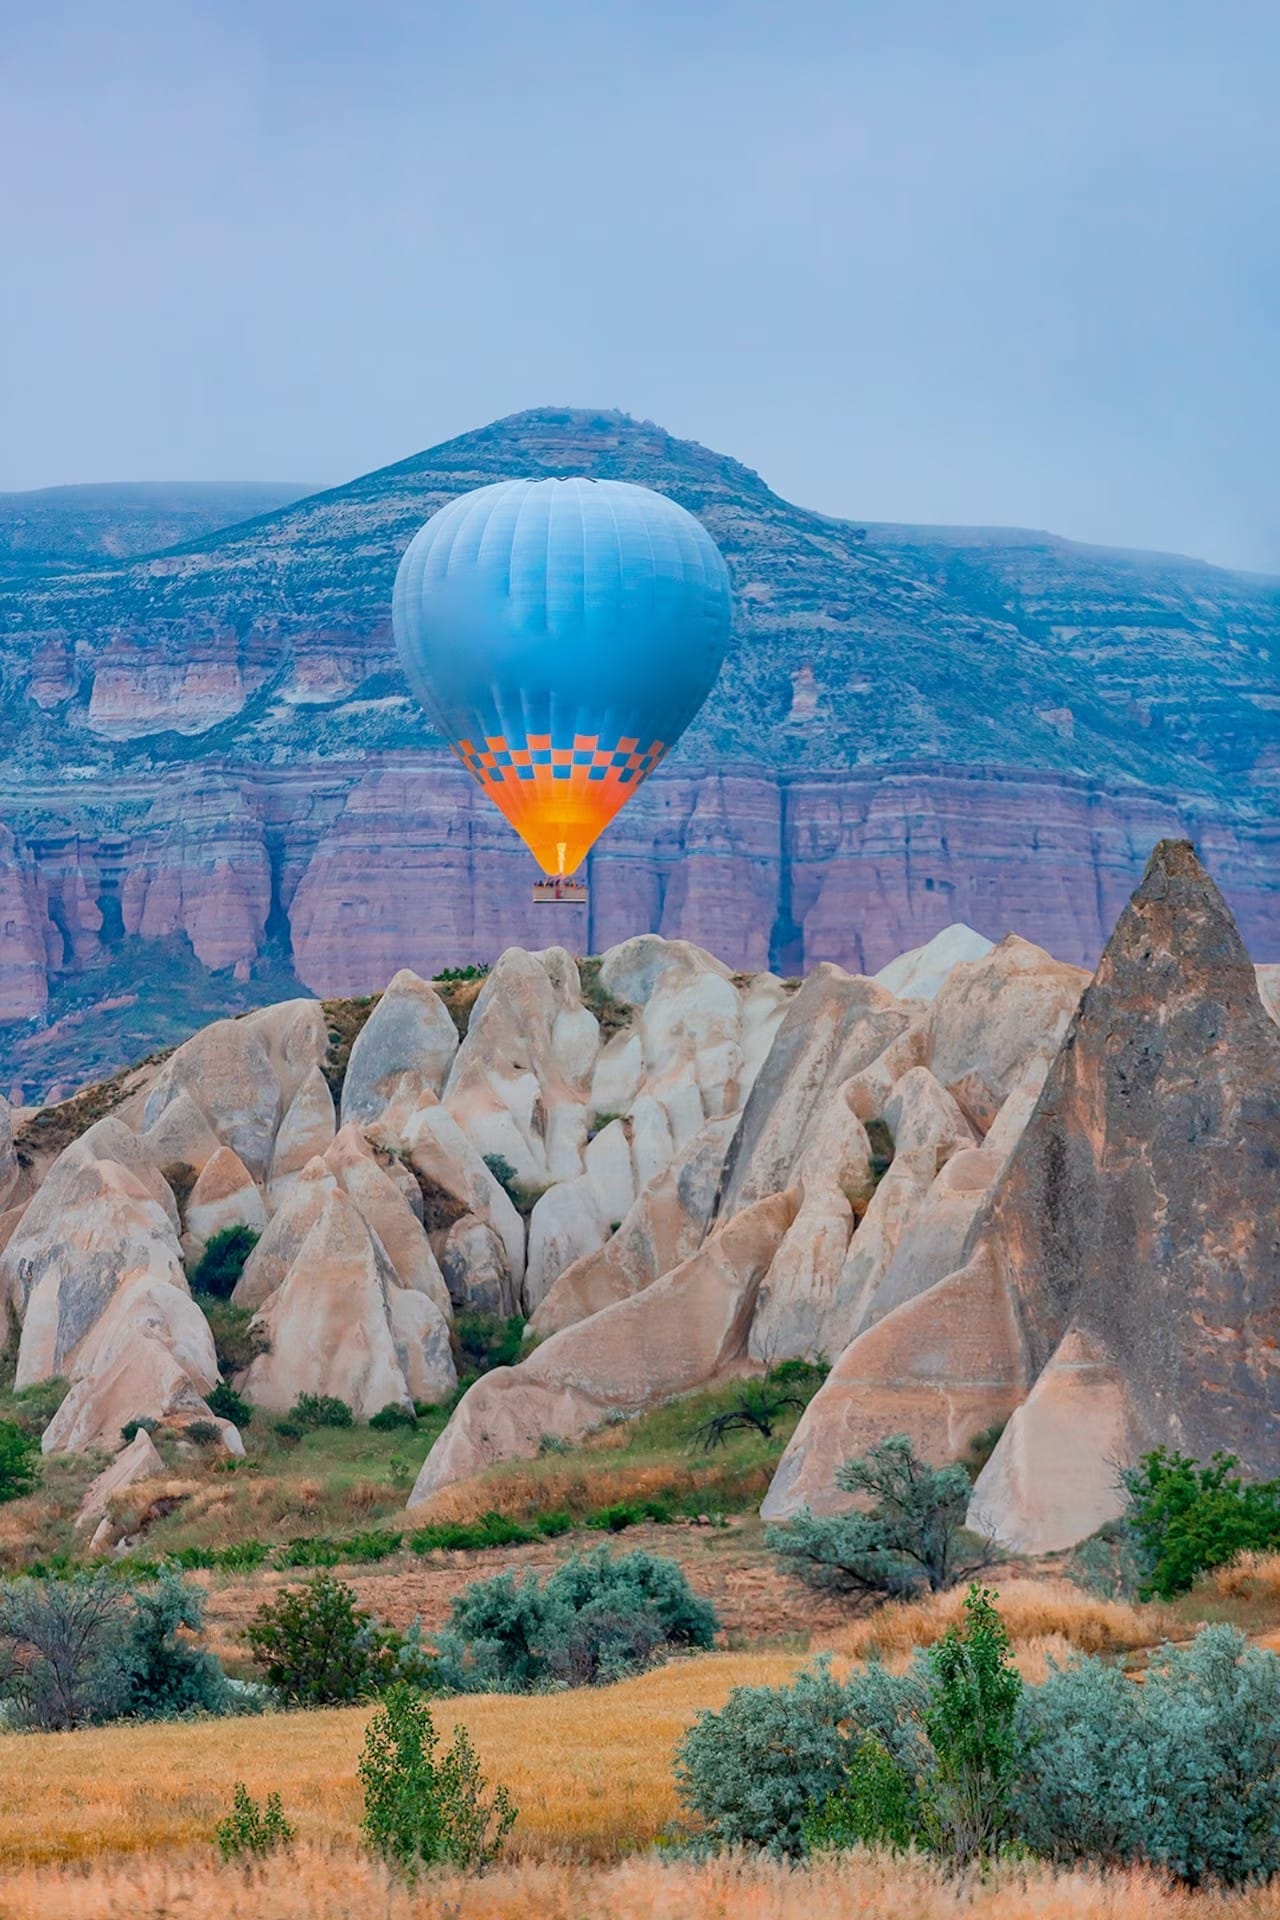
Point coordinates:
[(386, 1212), (138, 1461), (991, 1016), (1007, 1128), (509, 1089), (283, 1237), (229, 1071), (764, 1005), (329, 1322), (420, 1335), (181, 1137), (475, 1267), (295, 1034), (633, 971), (941, 1369), (1054, 1477), (1269, 989), (143, 1380), (618, 1073), (405, 1048), (306, 1130), (453, 1181), (566, 1224), (226, 1195), (652, 1147), (921, 973), (686, 1330), (111, 1139), (664, 1227), (609, 1172)]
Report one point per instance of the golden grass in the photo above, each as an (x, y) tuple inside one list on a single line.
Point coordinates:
[(334, 1882), (589, 1770), (1033, 1611), (1250, 1577), (553, 1484)]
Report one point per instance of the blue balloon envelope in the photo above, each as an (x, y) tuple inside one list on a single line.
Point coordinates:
[(561, 634)]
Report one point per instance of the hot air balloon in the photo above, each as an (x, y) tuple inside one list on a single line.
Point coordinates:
[(561, 635)]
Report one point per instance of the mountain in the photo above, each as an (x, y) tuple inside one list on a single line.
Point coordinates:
[(54, 528), (211, 748)]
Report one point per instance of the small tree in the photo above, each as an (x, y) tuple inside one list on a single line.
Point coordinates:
[(65, 1657), (758, 1406), (912, 1536), (168, 1675), (420, 1811), (252, 1831), (18, 1457), (1184, 1518), (316, 1648), (971, 1725), (222, 1261)]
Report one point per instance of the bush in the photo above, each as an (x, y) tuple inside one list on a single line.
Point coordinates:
[(312, 1410), (391, 1417), (35, 1406), (250, 1831), (596, 1618), (970, 1724), (485, 1340), (229, 1405), (875, 1806), (912, 1537), (1182, 1772), (420, 1811), (18, 1456), (222, 1261), (132, 1428), (316, 1648), (237, 1341), (1184, 1518), (757, 1407), (86, 1649), (756, 1772), (204, 1433)]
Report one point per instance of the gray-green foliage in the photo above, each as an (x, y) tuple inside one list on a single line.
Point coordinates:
[(754, 1772), (910, 1537), (86, 1649), (596, 1618), (421, 1809), (1182, 1772)]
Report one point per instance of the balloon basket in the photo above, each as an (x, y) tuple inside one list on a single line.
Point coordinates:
[(560, 890)]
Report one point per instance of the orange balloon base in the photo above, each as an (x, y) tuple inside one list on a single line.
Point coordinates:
[(559, 799)]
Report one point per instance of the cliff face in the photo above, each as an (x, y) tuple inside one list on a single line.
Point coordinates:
[(915, 726)]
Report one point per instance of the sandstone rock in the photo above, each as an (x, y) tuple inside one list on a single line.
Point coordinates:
[(687, 1329), (992, 1015), (409, 1033), (1269, 989), (519, 1085), (420, 1335), (142, 1379), (921, 973), (565, 1225), (111, 1139), (1136, 1218), (227, 1069), (10, 1172), (181, 1137), (476, 1272), (224, 1196), (283, 1236), (941, 1369), (295, 1034), (306, 1130), (1053, 1477), (138, 1461), (663, 1228), (386, 1212), (453, 1181), (609, 1174), (330, 1323)]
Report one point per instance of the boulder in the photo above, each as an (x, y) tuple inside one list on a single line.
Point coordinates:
[(226, 1195), (476, 1272), (685, 1331), (229, 1072), (924, 971), (405, 1048), (306, 1130)]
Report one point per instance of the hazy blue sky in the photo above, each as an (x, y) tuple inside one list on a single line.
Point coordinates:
[(925, 261)]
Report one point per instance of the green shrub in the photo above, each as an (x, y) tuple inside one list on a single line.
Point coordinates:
[(757, 1771), (1182, 1773), (420, 1810), (35, 1406), (18, 1457), (316, 1648), (222, 1261), (596, 1618), (250, 1831), (229, 1405), (392, 1417), (757, 1406), (288, 1429), (312, 1410), (169, 1676), (1185, 1518), (911, 1537), (204, 1433), (970, 1722), (132, 1428), (237, 1340), (874, 1806), (630, 1513), (485, 1340)]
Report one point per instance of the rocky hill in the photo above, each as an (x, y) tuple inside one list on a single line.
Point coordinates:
[(54, 529), (211, 749), (989, 1189)]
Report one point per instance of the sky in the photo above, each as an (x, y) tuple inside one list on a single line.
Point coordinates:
[(924, 260)]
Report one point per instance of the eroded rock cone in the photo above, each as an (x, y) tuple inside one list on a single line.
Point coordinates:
[(1138, 1222)]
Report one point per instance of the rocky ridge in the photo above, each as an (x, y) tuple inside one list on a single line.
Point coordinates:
[(986, 1186)]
